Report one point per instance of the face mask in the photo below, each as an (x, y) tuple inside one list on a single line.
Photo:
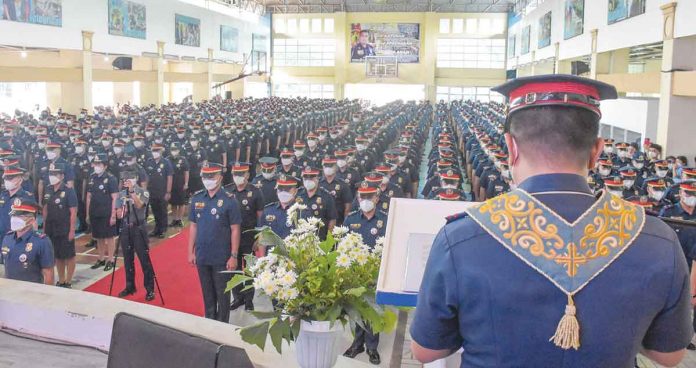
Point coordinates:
[(360, 147), (148, 134), (106, 143), (312, 143), (385, 180), (689, 201), (79, 150), (213, 138), (608, 149), (638, 165), (623, 153), (367, 205), (299, 153), (628, 183), (196, 131), (180, 136), (617, 193), (329, 171), (53, 179), (652, 154), (604, 172), (10, 184), (402, 159), (286, 161), (90, 157), (333, 136), (17, 223), (267, 176), (131, 162), (138, 144), (99, 170), (285, 197), (42, 145), (238, 180), (341, 163), (661, 173), (309, 184), (158, 140), (210, 184), (51, 155), (239, 130), (156, 155), (194, 144), (118, 150), (657, 195), (175, 153)]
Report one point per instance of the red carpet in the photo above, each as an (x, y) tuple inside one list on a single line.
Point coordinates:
[(177, 278)]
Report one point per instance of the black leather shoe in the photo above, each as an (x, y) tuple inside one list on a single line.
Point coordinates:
[(249, 306), (67, 285), (374, 357), (59, 284), (352, 352), (691, 346), (150, 296), (98, 264), (109, 266), (153, 234), (160, 236), (236, 304), (126, 292)]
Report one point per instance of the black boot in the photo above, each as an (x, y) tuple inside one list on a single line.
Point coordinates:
[(353, 351), (126, 292), (374, 357), (98, 264), (150, 296)]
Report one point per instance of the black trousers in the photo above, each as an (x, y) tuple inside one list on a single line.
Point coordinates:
[(215, 300), (134, 241), (362, 336), (82, 213), (159, 210), (245, 247)]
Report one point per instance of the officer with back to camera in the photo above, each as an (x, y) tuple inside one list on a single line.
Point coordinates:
[(131, 203)]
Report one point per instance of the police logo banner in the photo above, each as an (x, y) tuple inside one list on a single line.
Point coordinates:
[(385, 39), (45, 12)]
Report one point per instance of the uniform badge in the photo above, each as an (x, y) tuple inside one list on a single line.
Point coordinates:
[(213, 211), (17, 202), (270, 218), (106, 181), (5, 250), (245, 202), (400, 180), (250, 194), (314, 206), (199, 205), (355, 226), (338, 187), (391, 193), (22, 257), (316, 213), (62, 194), (380, 223), (385, 205), (318, 200), (57, 200), (161, 166), (373, 231), (258, 185), (101, 186), (159, 170), (29, 247), (219, 203)]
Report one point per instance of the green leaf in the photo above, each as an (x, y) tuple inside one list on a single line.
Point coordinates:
[(236, 281), (264, 315), (390, 319), (327, 245), (256, 334), (334, 312), (268, 238), (357, 292), (296, 329), (248, 287), (278, 331)]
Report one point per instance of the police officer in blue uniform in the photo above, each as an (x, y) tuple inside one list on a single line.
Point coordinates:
[(371, 223), (319, 202), (101, 214), (362, 48), (60, 218), (214, 237), (266, 181), (28, 255), (536, 259), (13, 177), (275, 214), (160, 173), (180, 182), (130, 208)]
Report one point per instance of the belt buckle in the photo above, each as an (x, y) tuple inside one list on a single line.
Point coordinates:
[(530, 98)]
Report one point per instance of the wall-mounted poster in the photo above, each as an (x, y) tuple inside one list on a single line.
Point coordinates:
[(127, 18), (187, 31), (574, 18), (46, 12), (624, 9), (385, 39), (511, 46), (544, 31), (258, 42), (229, 38), (526, 32)]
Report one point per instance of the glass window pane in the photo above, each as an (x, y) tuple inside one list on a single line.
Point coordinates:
[(441, 89), (328, 25), (444, 25), (458, 25), (471, 25), (327, 62), (328, 88), (280, 26), (304, 25), (292, 25), (484, 26), (498, 26), (316, 25)]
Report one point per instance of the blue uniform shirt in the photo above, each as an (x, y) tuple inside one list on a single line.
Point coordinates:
[(26, 256), (478, 295), (275, 217), (370, 229), (6, 201), (213, 217)]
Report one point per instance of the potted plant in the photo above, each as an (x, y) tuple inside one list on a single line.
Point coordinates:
[(317, 288)]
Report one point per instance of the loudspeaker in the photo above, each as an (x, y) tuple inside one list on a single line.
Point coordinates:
[(137, 342), (123, 63), (511, 74), (228, 95), (579, 67)]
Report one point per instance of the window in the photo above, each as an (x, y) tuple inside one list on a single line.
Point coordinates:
[(471, 25), (328, 25), (470, 53), (292, 26), (444, 25), (280, 26), (27, 97), (303, 90), (458, 25), (484, 26), (304, 52), (498, 26), (304, 25), (316, 25), (483, 94)]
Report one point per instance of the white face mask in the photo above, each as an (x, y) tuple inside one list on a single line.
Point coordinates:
[(341, 163), (11, 184), (238, 180), (448, 186), (360, 147), (638, 165), (285, 197), (309, 184), (608, 149), (210, 184), (194, 144), (652, 154), (180, 136), (299, 153), (79, 150), (657, 195), (661, 173), (311, 143), (367, 205), (402, 159), (138, 144), (628, 183), (286, 161), (106, 143), (268, 176), (329, 171), (51, 155), (604, 172), (53, 179), (118, 150), (689, 201), (132, 182), (156, 155), (17, 223), (385, 180), (623, 153), (99, 170), (175, 153)]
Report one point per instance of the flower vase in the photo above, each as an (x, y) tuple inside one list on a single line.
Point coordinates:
[(317, 344)]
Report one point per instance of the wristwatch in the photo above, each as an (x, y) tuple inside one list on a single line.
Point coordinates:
[(234, 254)]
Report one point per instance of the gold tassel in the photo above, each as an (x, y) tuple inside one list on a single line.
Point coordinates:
[(568, 331)]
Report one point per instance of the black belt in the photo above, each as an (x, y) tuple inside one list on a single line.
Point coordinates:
[(532, 98)]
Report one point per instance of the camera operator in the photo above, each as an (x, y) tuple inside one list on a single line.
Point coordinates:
[(130, 208)]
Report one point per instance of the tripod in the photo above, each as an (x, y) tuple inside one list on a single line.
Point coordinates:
[(126, 209)]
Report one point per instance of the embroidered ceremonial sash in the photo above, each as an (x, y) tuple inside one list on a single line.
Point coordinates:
[(568, 254)]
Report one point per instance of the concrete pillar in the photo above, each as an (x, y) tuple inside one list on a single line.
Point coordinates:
[(341, 62), (532, 66), (675, 127), (556, 62), (593, 54), (160, 73), (87, 70), (432, 24)]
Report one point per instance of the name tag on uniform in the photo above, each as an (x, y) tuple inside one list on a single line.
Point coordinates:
[(354, 226), (270, 218), (199, 205)]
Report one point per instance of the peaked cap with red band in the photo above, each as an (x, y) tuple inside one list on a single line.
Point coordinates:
[(555, 90)]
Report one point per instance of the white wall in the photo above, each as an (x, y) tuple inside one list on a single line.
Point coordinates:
[(92, 15), (635, 114)]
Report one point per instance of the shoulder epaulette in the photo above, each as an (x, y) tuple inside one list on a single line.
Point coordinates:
[(270, 204), (353, 213), (384, 213), (199, 192), (456, 217)]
